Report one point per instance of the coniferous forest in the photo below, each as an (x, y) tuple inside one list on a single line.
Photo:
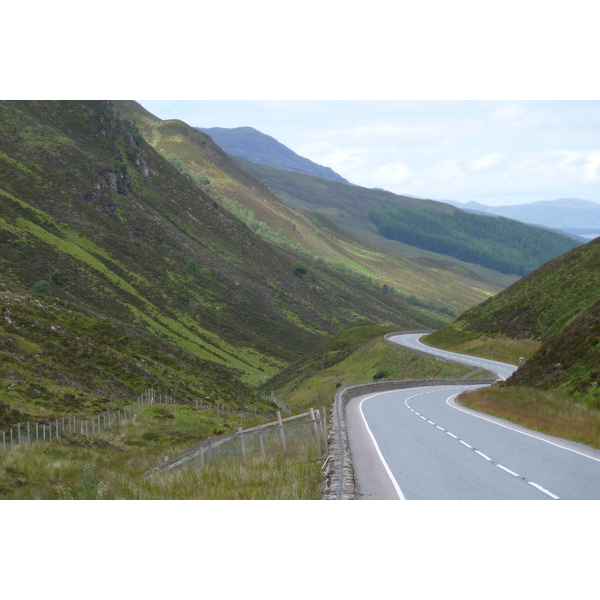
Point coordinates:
[(497, 243)]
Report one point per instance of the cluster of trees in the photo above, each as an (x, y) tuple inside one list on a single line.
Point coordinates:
[(494, 242)]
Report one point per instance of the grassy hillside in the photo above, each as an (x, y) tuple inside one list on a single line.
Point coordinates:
[(538, 306), (411, 226), (552, 319), (357, 355), (422, 278), (57, 358), (570, 360), (97, 216)]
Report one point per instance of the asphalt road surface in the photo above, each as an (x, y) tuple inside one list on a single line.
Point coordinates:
[(419, 444)]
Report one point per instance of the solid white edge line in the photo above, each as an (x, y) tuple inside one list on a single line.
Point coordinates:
[(397, 487), (537, 437)]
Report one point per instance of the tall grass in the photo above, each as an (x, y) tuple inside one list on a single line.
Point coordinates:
[(549, 411), (293, 473), (109, 467)]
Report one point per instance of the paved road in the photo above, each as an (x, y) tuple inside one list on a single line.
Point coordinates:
[(503, 370), (419, 444)]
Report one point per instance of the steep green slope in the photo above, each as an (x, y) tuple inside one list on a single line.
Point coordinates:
[(537, 306), (94, 211), (58, 359), (558, 306), (421, 277), (413, 226), (569, 361)]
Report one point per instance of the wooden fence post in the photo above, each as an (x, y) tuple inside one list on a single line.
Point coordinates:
[(242, 443), (323, 411), (281, 432), (315, 428), (261, 442)]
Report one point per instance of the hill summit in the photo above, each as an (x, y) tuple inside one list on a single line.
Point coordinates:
[(257, 147)]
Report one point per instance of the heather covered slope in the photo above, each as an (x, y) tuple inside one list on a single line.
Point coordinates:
[(558, 307), (539, 305), (98, 216), (60, 359), (569, 360)]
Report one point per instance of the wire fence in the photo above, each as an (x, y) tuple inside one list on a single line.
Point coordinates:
[(24, 433), (308, 426)]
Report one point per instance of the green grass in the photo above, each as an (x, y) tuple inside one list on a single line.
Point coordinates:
[(290, 474), (111, 465), (355, 356), (549, 411), (499, 348)]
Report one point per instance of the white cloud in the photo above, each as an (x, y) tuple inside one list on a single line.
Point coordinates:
[(508, 112), (483, 163), (592, 168), (391, 175)]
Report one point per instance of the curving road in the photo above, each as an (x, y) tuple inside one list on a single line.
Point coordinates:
[(419, 444)]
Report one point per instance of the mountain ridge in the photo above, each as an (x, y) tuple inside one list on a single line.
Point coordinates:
[(258, 147)]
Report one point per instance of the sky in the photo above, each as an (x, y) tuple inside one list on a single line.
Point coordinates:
[(492, 152)]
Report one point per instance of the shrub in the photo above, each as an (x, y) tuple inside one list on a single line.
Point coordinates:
[(42, 287), (299, 269), (382, 374), (192, 265)]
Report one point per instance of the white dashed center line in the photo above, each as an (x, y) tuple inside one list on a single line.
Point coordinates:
[(535, 485)]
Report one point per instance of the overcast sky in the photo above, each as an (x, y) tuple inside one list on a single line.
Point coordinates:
[(493, 152)]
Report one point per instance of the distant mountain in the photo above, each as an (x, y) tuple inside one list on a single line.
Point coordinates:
[(565, 214), (257, 147)]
